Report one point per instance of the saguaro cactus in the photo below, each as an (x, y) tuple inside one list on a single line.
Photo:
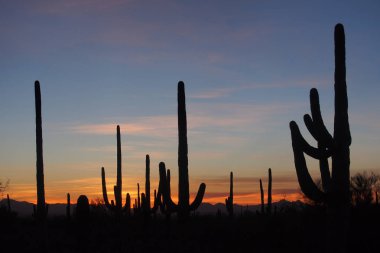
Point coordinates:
[(82, 208), (183, 207), (145, 199), (230, 199), (68, 211), (269, 205), (262, 197), (336, 190), (41, 210), (118, 186), (269, 197), (336, 187)]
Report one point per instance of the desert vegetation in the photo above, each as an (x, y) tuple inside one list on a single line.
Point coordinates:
[(341, 216)]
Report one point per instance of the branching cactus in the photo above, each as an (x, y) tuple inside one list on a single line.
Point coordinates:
[(164, 189), (230, 199), (41, 209), (183, 208), (335, 191), (336, 187), (118, 187)]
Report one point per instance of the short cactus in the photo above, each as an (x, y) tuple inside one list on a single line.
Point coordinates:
[(82, 208), (68, 205), (269, 197), (230, 199)]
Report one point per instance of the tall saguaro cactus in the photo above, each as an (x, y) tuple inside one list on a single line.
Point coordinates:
[(118, 186), (230, 199), (336, 190), (336, 186), (183, 207), (41, 210)]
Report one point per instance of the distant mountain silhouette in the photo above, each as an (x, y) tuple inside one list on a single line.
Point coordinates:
[(25, 209)]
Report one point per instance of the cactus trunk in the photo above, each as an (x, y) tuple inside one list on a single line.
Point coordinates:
[(262, 197), (269, 205), (183, 173), (68, 212), (230, 199), (41, 205), (147, 181)]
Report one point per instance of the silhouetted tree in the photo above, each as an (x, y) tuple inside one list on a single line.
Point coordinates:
[(363, 188), (3, 187)]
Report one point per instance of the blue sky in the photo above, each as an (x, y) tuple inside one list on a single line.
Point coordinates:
[(248, 67)]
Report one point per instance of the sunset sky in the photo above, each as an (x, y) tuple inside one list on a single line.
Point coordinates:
[(248, 67)]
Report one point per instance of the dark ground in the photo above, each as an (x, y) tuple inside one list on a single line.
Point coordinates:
[(289, 231)]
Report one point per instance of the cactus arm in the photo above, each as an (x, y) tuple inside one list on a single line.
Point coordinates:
[(323, 135), (305, 181), (170, 203), (199, 197), (104, 189), (165, 188), (156, 202), (304, 146)]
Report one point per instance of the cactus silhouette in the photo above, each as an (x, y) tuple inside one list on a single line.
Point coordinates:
[(230, 199), (336, 190), (127, 206), (41, 209), (9, 209), (164, 189), (68, 205), (269, 197), (82, 208), (262, 197), (336, 186), (269, 205), (118, 187), (183, 207), (145, 199)]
